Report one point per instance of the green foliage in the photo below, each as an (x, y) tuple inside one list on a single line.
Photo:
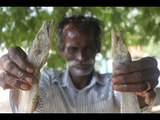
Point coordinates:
[(19, 25), (153, 48)]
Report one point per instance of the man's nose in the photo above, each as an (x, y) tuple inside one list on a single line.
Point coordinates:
[(81, 56)]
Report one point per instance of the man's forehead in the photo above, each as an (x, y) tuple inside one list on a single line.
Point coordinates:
[(70, 30), (70, 27), (75, 28)]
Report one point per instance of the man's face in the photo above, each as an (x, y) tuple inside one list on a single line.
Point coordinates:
[(79, 50)]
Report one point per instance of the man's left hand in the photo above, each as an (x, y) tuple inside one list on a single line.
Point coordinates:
[(138, 76)]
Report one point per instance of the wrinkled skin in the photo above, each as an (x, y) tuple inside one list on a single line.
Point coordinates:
[(15, 70), (134, 77), (80, 51)]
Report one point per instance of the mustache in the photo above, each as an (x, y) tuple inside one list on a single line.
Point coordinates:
[(76, 62)]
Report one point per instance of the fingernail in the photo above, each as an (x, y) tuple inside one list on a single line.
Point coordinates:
[(114, 80), (24, 86), (30, 70), (116, 87), (117, 71), (150, 101), (29, 80)]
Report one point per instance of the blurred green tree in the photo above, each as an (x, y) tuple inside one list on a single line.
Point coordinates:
[(19, 25)]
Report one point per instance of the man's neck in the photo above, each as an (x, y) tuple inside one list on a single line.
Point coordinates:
[(81, 81)]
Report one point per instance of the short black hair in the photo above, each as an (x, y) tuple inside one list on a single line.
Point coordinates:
[(80, 21)]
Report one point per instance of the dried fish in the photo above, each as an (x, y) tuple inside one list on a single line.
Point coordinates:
[(128, 100), (37, 55)]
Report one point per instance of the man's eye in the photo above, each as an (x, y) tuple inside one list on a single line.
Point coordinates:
[(90, 49), (72, 50)]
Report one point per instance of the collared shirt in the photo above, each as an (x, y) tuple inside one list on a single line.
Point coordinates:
[(59, 95)]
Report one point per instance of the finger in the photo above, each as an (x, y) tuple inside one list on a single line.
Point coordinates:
[(19, 85), (142, 94), (134, 87), (2, 60), (150, 97), (4, 85), (142, 64), (153, 83), (17, 55), (8, 80), (13, 69), (135, 77)]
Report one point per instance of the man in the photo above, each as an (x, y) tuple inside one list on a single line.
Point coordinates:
[(79, 88)]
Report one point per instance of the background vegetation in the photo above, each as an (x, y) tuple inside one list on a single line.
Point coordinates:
[(139, 25)]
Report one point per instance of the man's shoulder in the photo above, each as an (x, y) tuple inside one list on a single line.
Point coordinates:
[(51, 73), (104, 78), (49, 76), (104, 75)]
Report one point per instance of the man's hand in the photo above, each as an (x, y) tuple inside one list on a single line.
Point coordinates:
[(15, 70), (138, 76)]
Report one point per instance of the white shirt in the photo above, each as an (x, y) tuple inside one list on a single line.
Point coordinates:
[(59, 95)]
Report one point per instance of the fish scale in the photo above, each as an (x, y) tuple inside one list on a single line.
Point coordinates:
[(37, 55), (120, 54)]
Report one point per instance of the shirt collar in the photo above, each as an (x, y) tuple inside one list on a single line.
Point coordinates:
[(97, 78)]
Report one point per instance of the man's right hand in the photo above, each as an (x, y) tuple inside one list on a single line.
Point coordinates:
[(15, 70)]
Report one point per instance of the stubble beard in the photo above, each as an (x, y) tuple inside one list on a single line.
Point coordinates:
[(81, 72)]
